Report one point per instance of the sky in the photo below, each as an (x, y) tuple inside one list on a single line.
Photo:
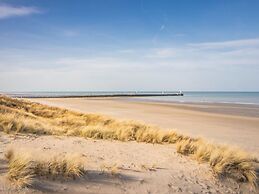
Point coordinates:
[(122, 45)]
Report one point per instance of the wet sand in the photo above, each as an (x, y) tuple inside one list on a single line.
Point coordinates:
[(236, 125)]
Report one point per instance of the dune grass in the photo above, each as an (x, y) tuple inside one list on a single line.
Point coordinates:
[(23, 168), (224, 160), (20, 171), (22, 116)]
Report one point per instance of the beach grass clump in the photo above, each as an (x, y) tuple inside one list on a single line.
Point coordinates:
[(23, 116), (20, 170), (233, 163), (225, 161), (68, 166), (23, 168)]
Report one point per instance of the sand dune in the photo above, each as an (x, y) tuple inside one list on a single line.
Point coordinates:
[(237, 125), (119, 167)]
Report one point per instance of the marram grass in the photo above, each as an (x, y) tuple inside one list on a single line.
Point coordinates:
[(224, 160), (23, 168), (21, 116)]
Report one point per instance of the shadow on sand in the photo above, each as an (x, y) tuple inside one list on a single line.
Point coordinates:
[(91, 177), (3, 166)]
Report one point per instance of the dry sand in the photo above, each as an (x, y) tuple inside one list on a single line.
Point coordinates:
[(236, 125), (138, 168)]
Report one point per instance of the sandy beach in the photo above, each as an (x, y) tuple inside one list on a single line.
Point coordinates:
[(233, 124)]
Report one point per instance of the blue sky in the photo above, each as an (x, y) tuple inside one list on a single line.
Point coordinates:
[(48, 45)]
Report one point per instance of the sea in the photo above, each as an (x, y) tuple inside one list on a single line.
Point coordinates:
[(189, 96), (212, 97)]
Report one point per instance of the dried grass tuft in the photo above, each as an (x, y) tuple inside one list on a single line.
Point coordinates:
[(225, 161), (23, 168)]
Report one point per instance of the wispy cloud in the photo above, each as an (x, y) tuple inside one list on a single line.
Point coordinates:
[(7, 11), (127, 51), (227, 44), (162, 27), (240, 50), (70, 33), (162, 53)]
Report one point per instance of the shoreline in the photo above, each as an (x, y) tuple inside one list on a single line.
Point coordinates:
[(197, 102), (205, 105)]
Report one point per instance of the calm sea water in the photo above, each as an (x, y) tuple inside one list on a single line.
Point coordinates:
[(210, 97), (213, 97)]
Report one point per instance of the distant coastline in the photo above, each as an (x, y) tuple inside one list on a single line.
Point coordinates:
[(93, 94)]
